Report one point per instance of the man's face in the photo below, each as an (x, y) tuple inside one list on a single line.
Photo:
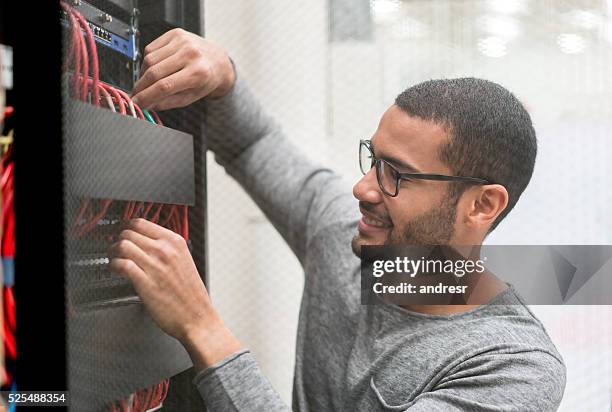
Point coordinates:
[(422, 213)]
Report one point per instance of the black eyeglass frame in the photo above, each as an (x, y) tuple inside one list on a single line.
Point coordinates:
[(408, 176)]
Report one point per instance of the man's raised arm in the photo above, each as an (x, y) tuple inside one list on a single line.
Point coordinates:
[(296, 194)]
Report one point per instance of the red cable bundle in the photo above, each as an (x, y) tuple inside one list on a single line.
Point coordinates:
[(79, 51), (86, 220), (143, 399), (8, 215), (7, 250)]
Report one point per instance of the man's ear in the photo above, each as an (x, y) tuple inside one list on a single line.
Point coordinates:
[(485, 204)]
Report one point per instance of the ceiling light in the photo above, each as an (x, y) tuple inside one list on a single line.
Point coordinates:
[(499, 26), (508, 6), (571, 43), (493, 46), (385, 10)]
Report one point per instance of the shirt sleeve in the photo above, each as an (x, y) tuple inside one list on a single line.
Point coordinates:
[(298, 195), (532, 381), (236, 384)]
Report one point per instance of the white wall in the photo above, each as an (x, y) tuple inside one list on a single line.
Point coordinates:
[(255, 280)]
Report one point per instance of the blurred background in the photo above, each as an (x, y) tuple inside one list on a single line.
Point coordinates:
[(328, 69)]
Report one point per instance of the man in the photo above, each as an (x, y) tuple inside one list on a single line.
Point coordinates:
[(350, 356)]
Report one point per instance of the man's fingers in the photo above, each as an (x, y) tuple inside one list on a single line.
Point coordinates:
[(145, 243), (157, 56), (172, 84), (158, 70), (161, 41), (133, 272), (126, 249), (147, 228)]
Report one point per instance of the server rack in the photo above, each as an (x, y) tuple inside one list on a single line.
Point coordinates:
[(111, 162)]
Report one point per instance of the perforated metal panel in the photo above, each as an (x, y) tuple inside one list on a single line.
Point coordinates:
[(117, 166)]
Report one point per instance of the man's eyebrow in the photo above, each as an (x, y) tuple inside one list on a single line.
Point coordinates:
[(400, 164)]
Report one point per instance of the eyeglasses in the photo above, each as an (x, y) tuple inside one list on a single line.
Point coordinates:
[(389, 177)]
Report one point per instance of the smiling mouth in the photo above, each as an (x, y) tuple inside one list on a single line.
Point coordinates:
[(374, 222), (372, 225)]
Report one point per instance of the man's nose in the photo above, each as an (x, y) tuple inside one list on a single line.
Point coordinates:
[(367, 189)]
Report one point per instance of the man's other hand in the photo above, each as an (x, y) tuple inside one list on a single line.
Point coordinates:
[(159, 265), (179, 68)]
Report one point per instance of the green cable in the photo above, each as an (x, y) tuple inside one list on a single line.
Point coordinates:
[(148, 116)]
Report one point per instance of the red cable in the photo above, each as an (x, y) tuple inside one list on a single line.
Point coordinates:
[(132, 208), (165, 391), (185, 223), (159, 393), (10, 305), (9, 342), (155, 216), (87, 227), (174, 224), (101, 86), (162, 392), (94, 56), (8, 246), (81, 212), (170, 214), (8, 203), (116, 96), (129, 100), (147, 398), (153, 400), (8, 169), (136, 402), (9, 324), (127, 105), (138, 111), (157, 400), (80, 85), (156, 117), (140, 206), (129, 211), (75, 47), (126, 211), (147, 209)]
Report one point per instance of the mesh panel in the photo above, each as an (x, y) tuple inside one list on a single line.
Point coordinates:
[(116, 167)]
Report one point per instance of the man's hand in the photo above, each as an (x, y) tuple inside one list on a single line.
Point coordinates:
[(159, 265), (179, 68)]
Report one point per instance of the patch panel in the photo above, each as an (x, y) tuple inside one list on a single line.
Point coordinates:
[(124, 44), (117, 42)]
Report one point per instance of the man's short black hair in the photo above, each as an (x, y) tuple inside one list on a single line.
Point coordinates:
[(491, 134)]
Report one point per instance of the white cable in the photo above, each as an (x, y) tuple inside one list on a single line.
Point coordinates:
[(132, 109), (108, 98)]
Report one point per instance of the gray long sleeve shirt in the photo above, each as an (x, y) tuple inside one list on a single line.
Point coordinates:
[(353, 357)]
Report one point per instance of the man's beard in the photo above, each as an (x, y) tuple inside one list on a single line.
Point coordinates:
[(435, 227)]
